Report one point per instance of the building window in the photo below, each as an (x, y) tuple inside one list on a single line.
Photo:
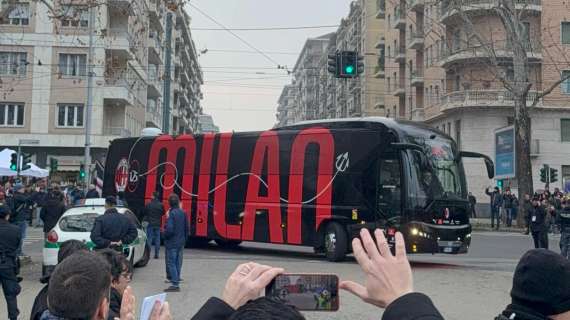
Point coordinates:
[(74, 65), (436, 94), (458, 133), (70, 115), (565, 130), (566, 83), (565, 32), (75, 16), (566, 178), (13, 63), (18, 16), (11, 115)]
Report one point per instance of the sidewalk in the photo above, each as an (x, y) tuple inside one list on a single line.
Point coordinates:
[(484, 224)]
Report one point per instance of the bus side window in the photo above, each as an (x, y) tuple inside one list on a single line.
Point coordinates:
[(389, 186)]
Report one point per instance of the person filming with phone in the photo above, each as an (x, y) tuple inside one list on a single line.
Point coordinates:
[(388, 285)]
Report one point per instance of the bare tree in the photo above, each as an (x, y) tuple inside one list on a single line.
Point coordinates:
[(511, 14)]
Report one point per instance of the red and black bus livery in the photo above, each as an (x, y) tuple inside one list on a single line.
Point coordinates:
[(312, 184)]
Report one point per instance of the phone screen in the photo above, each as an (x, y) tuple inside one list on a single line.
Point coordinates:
[(306, 292)]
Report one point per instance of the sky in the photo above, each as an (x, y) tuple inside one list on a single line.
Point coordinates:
[(241, 89)]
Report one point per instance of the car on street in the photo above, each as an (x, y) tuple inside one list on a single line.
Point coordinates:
[(76, 223)]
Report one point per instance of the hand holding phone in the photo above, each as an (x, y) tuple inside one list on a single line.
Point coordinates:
[(306, 292), (149, 303)]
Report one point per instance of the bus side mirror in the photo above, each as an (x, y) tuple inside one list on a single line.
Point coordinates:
[(488, 162)]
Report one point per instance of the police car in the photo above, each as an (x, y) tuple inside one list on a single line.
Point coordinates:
[(76, 224)]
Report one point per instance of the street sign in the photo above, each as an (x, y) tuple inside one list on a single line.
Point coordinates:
[(505, 160)]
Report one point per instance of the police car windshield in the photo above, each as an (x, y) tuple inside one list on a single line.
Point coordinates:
[(78, 222)]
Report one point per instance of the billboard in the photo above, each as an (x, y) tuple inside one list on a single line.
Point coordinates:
[(505, 164)]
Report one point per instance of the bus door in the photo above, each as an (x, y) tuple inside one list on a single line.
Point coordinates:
[(389, 186)]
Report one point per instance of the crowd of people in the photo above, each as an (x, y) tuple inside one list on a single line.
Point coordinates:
[(539, 292)]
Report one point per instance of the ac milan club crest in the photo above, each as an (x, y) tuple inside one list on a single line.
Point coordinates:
[(122, 175)]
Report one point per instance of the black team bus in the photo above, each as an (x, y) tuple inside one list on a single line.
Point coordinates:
[(312, 184)]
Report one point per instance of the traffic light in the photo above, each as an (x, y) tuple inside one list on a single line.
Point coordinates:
[(360, 65), (349, 64), (333, 64), (543, 175), (53, 164), (26, 160), (500, 184), (82, 171), (553, 175), (14, 161)]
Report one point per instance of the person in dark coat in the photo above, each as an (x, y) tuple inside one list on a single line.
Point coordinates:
[(472, 204), (153, 213), (112, 229), (175, 235), (92, 193), (537, 224), (52, 210), (496, 200), (21, 212), (540, 288), (121, 274), (563, 222), (9, 267), (66, 249)]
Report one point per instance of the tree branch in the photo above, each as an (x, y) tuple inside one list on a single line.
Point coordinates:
[(549, 90)]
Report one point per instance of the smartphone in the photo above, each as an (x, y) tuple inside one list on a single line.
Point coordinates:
[(148, 304), (306, 292)]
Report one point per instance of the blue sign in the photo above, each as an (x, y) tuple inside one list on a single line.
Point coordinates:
[(505, 153)]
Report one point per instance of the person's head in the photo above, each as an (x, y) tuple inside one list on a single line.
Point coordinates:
[(527, 196), (121, 271), (91, 187), (110, 202), (80, 286), (265, 308), (541, 283), (18, 187), (497, 189), (70, 247), (4, 212), (535, 201), (470, 193), (174, 201)]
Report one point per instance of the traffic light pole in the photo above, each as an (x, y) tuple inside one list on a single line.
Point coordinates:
[(18, 165), (89, 94)]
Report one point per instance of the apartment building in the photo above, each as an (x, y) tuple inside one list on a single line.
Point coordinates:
[(286, 105), (320, 94), (437, 72), (44, 65), (206, 123)]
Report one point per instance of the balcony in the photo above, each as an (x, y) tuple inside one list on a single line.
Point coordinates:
[(381, 42), (117, 132), (416, 40), (120, 42), (417, 78), (379, 72), (481, 99), (154, 85), (400, 56), (503, 51), (379, 103), (399, 19), (117, 88), (125, 6), (416, 5), (154, 44), (399, 91), (380, 9), (448, 11)]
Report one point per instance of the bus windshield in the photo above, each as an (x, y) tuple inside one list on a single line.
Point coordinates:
[(438, 174)]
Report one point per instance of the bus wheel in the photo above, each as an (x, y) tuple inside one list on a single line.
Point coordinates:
[(335, 242), (228, 244), (196, 242)]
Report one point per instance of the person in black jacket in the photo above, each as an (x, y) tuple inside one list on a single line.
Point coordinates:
[(153, 213), (112, 229), (540, 288), (563, 222), (496, 201), (175, 235), (66, 249), (92, 193), (537, 224), (52, 210), (9, 242), (389, 283), (21, 212), (121, 274)]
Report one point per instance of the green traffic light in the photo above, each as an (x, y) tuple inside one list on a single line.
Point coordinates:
[(82, 174), (349, 69), (13, 167)]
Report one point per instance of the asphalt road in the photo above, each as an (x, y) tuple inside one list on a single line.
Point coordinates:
[(473, 286)]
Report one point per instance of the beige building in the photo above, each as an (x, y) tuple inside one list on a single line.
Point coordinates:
[(319, 94), (44, 67), (438, 73)]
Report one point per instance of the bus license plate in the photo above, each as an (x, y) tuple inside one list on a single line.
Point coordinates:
[(448, 249)]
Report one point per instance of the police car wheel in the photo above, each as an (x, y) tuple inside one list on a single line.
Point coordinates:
[(336, 242), (145, 258)]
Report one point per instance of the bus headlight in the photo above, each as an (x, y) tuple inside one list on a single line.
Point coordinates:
[(414, 231)]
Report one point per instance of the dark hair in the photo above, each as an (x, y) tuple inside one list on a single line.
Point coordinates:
[(117, 262), (265, 308), (174, 200), (78, 285), (4, 211), (110, 200), (70, 247)]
